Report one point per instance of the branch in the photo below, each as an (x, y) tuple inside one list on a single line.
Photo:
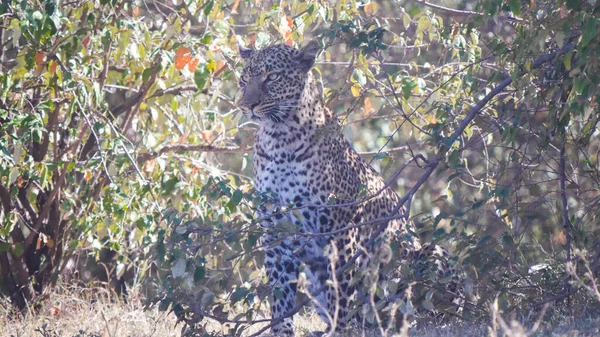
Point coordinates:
[(174, 90), (6, 199), (430, 168), (192, 148), (565, 208), (460, 12)]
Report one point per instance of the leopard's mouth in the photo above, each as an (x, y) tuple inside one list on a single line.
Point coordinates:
[(263, 113)]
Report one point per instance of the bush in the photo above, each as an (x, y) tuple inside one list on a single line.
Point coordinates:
[(118, 135)]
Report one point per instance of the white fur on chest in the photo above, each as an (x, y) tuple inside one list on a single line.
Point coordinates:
[(287, 180)]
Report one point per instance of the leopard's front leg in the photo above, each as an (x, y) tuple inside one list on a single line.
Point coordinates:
[(282, 263)]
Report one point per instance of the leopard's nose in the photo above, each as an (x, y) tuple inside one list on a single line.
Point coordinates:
[(250, 105)]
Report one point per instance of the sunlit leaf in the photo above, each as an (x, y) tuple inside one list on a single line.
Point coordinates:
[(182, 57)]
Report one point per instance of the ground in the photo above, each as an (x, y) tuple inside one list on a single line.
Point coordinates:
[(86, 313)]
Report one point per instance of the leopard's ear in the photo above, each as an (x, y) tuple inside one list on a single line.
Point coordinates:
[(306, 56), (245, 53)]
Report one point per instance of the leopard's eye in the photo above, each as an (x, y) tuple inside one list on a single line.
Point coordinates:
[(273, 77)]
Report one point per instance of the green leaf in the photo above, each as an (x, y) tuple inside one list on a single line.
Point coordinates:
[(201, 76), (239, 294), (178, 269), (427, 305), (18, 249), (208, 7), (406, 20), (146, 74), (589, 31), (515, 6), (453, 158), (567, 60), (236, 198), (199, 274)]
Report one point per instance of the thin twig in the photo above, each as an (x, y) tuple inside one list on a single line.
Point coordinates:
[(461, 12), (192, 148), (565, 208)]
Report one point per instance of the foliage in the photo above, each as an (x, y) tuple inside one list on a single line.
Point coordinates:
[(119, 133)]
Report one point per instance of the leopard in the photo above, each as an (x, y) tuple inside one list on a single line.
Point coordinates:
[(318, 192)]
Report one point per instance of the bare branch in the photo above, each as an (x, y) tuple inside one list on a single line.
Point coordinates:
[(174, 90), (565, 208), (6, 199), (192, 148), (460, 12)]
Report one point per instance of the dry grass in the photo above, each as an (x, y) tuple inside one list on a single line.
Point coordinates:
[(91, 313)]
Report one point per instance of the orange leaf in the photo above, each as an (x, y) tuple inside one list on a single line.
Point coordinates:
[(207, 135), (149, 166), (87, 175), (194, 64), (289, 42), (85, 42), (235, 6), (370, 8), (39, 57), (21, 182), (42, 239), (285, 27), (559, 238), (52, 66), (368, 107), (182, 57), (136, 11)]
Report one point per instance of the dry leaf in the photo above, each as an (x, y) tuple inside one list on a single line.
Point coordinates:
[(183, 56), (285, 27), (41, 241), (21, 182), (370, 8), (367, 107), (39, 57), (235, 6), (355, 89), (52, 66), (207, 136), (149, 166), (87, 175), (85, 42), (194, 63), (559, 239)]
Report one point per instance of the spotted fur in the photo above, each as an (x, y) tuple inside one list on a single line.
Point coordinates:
[(302, 159)]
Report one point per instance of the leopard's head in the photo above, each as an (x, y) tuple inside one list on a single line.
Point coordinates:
[(274, 79)]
